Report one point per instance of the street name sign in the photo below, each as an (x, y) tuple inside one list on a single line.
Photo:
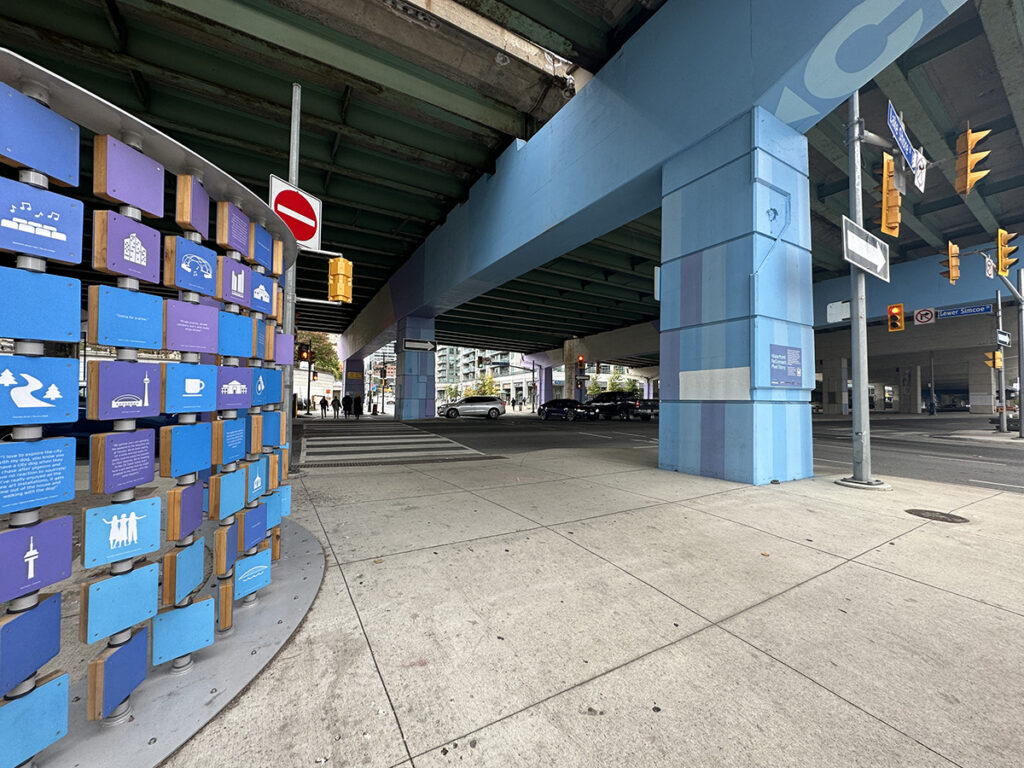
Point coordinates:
[(420, 345), (900, 134), (975, 309), (864, 250)]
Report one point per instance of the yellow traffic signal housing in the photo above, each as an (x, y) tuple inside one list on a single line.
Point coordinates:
[(891, 198), (967, 158), (1003, 251), (339, 280), (952, 263), (896, 320), (994, 359)]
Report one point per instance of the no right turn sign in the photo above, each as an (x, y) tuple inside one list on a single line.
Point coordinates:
[(924, 316)]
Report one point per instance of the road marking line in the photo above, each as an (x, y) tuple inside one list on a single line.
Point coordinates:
[(832, 461), (957, 458), (603, 437), (1002, 485)]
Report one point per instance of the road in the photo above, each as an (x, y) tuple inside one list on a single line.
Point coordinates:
[(955, 449)]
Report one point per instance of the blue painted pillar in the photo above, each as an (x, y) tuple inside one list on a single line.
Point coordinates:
[(737, 341), (545, 387), (353, 382), (414, 388)]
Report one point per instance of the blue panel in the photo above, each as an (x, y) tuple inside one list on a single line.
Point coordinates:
[(40, 223), (232, 492), (262, 247), (34, 136), (256, 478), (266, 386), (35, 474), (260, 343), (189, 388), (28, 640), (119, 602), (254, 529), (124, 670), (233, 434), (191, 448), (180, 631), (229, 535), (272, 428), (188, 570), (38, 390), (33, 722), (279, 505), (234, 337), (121, 532), (190, 266), (127, 318), (252, 573), (262, 298), (40, 306)]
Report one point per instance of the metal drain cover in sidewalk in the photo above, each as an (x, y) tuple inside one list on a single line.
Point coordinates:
[(939, 517)]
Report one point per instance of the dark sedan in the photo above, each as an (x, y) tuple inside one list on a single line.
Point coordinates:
[(569, 410)]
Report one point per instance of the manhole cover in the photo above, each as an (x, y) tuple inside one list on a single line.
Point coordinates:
[(939, 517)]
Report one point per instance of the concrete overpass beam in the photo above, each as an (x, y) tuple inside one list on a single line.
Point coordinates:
[(414, 387), (737, 304)]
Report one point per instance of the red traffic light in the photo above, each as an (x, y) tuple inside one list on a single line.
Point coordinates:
[(579, 359)]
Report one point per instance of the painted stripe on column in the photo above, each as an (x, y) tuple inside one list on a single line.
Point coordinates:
[(715, 384), (712, 440)]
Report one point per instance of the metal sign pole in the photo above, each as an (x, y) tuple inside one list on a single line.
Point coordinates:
[(1020, 355), (861, 426), (289, 278), (1002, 370)]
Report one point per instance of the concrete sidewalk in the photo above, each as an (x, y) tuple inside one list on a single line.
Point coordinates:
[(582, 608)]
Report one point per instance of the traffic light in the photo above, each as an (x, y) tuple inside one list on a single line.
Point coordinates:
[(305, 353), (891, 198), (896, 319), (1003, 251), (581, 364), (339, 280), (315, 376), (952, 263), (967, 158), (994, 359)]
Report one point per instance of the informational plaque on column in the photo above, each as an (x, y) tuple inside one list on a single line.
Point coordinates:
[(122, 460), (36, 474)]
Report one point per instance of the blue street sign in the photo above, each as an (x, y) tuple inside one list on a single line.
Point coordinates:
[(900, 134), (976, 309), (38, 390)]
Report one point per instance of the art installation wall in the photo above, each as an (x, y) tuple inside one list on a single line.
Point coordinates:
[(225, 448)]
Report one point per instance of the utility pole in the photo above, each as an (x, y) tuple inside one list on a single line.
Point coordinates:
[(931, 360), (1018, 295), (309, 383), (861, 425)]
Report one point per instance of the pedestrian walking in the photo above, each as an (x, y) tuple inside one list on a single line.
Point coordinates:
[(513, 403), (336, 405), (357, 406), (346, 405), (323, 407)]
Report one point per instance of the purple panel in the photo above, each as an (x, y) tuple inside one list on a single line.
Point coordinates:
[(284, 349), (712, 439), (127, 459), (133, 249), (237, 228), (133, 178), (34, 557), (199, 213), (191, 508), (234, 280), (234, 388), (190, 327), (127, 390)]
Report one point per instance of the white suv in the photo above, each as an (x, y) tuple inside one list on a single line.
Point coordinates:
[(491, 407)]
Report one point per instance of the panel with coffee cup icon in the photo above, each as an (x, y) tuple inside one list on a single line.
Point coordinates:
[(188, 388)]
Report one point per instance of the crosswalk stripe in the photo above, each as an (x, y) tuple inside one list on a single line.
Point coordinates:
[(383, 443)]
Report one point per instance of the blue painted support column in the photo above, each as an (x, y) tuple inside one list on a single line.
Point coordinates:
[(353, 382), (414, 388), (545, 386), (737, 341)]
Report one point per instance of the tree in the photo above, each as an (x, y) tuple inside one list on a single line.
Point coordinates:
[(53, 393), (594, 387), (325, 356), (616, 383), (452, 392), (7, 378), (483, 386), (633, 387)]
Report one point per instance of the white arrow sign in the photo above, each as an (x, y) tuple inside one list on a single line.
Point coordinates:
[(864, 250), (420, 345)]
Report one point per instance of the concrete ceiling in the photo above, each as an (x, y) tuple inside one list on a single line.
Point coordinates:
[(406, 103)]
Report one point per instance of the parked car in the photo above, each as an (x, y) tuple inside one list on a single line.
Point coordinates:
[(569, 410), (478, 405), (621, 404)]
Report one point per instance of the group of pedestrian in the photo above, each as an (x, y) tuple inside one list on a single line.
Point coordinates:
[(513, 402), (348, 405)]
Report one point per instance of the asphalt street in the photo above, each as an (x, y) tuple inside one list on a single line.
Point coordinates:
[(957, 448)]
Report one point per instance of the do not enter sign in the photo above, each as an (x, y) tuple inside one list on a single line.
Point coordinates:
[(299, 210)]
